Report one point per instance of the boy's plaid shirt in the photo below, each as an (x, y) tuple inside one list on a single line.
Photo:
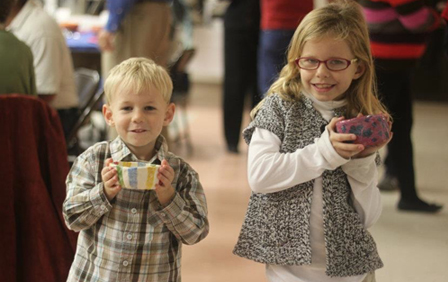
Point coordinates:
[(131, 238)]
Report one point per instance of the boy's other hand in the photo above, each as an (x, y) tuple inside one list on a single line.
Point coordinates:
[(110, 180), (339, 141), (164, 190)]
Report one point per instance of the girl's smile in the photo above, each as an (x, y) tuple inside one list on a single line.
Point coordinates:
[(320, 87)]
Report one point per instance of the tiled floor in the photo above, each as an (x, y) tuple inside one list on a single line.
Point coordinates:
[(414, 247)]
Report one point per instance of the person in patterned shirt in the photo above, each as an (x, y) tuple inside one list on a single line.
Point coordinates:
[(129, 234), (398, 33)]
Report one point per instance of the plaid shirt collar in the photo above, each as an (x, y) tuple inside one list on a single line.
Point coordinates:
[(120, 151)]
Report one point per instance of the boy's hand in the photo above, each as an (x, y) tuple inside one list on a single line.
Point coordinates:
[(164, 190), (110, 180), (338, 141)]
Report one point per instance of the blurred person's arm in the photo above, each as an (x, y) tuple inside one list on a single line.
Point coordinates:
[(118, 9), (47, 54)]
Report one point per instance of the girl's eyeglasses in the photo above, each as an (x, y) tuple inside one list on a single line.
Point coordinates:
[(334, 64)]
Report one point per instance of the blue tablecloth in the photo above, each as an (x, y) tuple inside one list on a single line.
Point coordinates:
[(82, 42)]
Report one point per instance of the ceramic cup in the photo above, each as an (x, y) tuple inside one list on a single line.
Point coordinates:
[(137, 175)]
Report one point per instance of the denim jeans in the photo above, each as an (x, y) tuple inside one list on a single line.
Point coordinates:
[(271, 56)]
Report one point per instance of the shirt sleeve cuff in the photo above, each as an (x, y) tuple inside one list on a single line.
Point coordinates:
[(366, 161), (328, 152), (172, 210), (360, 169), (111, 27), (99, 200)]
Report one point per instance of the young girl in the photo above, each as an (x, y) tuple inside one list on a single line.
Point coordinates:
[(314, 193)]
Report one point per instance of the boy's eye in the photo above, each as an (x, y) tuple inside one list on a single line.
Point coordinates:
[(126, 108), (149, 108)]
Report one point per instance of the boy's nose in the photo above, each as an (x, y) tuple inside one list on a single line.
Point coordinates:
[(137, 116)]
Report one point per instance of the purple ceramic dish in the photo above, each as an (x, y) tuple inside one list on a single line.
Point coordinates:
[(369, 130)]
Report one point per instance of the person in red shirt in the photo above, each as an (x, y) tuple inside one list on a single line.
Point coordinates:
[(279, 20)]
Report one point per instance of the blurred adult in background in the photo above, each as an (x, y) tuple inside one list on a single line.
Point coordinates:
[(136, 28), (53, 64), (16, 59), (398, 34), (279, 19), (241, 33)]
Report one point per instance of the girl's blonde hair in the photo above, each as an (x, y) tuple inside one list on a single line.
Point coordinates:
[(138, 74), (343, 20)]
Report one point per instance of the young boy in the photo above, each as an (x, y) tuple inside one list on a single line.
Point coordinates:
[(125, 234)]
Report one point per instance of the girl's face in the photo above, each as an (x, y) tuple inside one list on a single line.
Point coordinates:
[(322, 83), (139, 118)]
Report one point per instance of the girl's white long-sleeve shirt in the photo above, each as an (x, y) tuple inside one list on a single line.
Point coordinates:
[(270, 171)]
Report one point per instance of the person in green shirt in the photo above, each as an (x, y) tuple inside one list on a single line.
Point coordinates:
[(16, 59)]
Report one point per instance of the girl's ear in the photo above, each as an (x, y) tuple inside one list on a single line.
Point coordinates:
[(360, 69), (169, 114), (108, 116)]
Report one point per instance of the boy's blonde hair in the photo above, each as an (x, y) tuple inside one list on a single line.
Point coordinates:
[(138, 74), (342, 20)]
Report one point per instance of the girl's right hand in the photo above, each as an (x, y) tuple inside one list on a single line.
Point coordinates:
[(339, 141), (110, 180)]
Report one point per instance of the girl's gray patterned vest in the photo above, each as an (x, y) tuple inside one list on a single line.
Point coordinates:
[(276, 227)]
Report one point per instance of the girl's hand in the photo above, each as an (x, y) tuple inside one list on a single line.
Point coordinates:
[(164, 190), (110, 180), (339, 141), (372, 150)]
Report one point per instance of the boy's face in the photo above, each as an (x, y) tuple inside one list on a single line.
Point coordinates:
[(139, 118)]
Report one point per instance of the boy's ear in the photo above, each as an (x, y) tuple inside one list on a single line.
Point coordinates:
[(107, 113), (169, 114), (360, 69)]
